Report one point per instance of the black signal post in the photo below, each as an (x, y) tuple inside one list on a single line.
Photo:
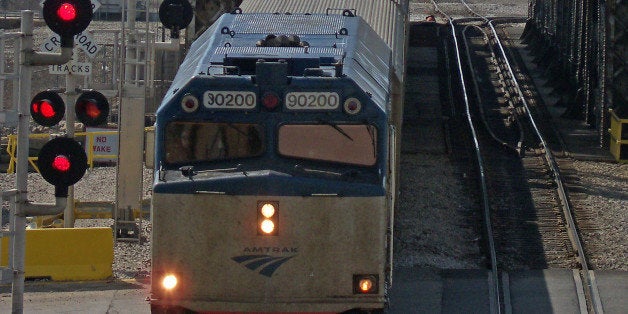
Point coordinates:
[(61, 160)]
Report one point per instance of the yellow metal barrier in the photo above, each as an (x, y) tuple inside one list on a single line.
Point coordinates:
[(12, 151), (619, 138), (67, 254), (89, 139), (91, 210)]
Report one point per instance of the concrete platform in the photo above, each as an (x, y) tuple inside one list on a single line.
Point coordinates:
[(420, 290), (612, 287), (544, 291), (80, 297)]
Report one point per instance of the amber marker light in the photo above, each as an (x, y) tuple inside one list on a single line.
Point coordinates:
[(365, 284), (267, 218), (169, 282)]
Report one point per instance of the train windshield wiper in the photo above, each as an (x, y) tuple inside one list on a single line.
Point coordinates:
[(336, 127), (189, 171), (371, 130), (348, 175), (316, 171)]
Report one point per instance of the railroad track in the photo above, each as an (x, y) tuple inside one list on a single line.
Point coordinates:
[(526, 206), (529, 222)]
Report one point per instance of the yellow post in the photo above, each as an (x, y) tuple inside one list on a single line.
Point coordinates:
[(619, 138)]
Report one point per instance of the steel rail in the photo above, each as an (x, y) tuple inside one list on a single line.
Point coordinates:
[(568, 212), (495, 300), (561, 189), (518, 147)]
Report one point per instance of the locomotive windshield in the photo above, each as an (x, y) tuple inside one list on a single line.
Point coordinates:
[(192, 142), (341, 143)]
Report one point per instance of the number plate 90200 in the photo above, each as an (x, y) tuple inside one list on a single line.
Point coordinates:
[(312, 101), (229, 100)]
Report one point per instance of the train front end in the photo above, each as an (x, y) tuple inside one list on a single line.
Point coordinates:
[(271, 189)]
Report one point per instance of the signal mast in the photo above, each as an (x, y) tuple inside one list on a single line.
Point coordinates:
[(62, 161)]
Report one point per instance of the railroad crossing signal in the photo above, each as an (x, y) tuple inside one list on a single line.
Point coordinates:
[(175, 15), (47, 108), (68, 17), (62, 162), (92, 108)]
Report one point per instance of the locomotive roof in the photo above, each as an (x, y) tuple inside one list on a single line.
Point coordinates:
[(322, 39), (386, 17)]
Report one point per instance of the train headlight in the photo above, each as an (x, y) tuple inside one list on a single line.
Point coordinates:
[(267, 213), (267, 226), (169, 282), (268, 210), (365, 284), (189, 103)]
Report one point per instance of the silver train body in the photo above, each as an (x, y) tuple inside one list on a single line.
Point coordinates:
[(276, 154)]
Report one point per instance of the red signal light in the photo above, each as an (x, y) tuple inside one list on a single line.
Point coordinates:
[(270, 100), (47, 108), (67, 17), (61, 163), (92, 108), (66, 12)]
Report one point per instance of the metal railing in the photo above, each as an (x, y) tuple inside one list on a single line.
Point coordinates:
[(586, 48), (89, 142)]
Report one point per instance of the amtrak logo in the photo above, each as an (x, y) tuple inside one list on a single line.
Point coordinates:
[(264, 264)]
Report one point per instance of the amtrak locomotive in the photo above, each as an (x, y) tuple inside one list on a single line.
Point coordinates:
[(275, 161)]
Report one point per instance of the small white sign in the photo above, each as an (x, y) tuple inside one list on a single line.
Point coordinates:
[(104, 144), (83, 40), (76, 68), (95, 5)]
